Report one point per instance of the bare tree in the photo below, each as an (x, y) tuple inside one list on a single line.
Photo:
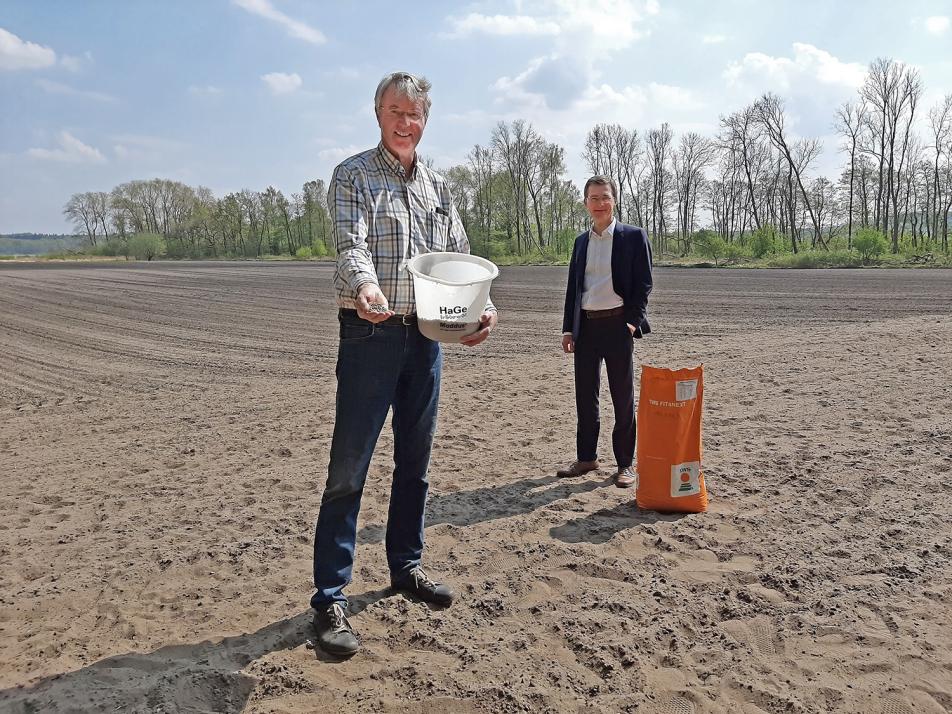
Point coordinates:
[(892, 91), (799, 155), (518, 148), (694, 155), (940, 121), (850, 122), (659, 154), (742, 136), (482, 166), (81, 210)]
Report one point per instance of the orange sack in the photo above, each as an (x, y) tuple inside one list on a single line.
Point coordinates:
[(669, 440)]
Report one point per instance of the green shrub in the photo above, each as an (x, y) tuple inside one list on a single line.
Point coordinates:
[(303, 253), (816, 259), (869, 244), (146, 246), (710, 245), (111, 248), (736, 253), (762, 241)]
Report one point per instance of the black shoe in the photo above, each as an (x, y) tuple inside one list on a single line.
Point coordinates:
[(334, 633), (417, 583)]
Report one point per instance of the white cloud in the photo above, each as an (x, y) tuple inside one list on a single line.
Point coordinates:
[(19, 54), (780, 74), (281, 83), (581, 24), (937, 25), (642, 106), (586, 34), (71, 150), (295, 28), (501, 25), (58, 88), (553, 81), (619, 22), (672, 98), (713, 39), (558, 84)]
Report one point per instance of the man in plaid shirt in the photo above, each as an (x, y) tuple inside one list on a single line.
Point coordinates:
[(386, 208)]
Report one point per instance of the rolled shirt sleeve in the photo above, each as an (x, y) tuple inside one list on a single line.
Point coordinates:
[(349, 230)]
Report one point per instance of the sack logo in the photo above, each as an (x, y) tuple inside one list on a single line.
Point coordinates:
[(686, 479)]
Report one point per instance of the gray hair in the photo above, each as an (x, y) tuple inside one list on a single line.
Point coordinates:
[(600, 180), (414, 88)]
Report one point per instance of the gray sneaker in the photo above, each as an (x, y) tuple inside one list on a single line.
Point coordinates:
[(418, 583), (334, 633)]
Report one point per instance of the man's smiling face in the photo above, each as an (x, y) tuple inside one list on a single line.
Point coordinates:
[(401, 123), (600, 202)]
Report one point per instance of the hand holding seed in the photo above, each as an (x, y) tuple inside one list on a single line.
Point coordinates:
[(372, 303)]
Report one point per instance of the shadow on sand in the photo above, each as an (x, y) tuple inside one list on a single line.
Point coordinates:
[(203, 677), (465, 508), (599, 527), (478, 505)]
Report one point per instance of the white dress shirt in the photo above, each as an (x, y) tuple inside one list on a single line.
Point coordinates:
[(597, 290)]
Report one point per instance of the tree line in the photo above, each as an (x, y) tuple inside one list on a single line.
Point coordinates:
[(193, 223), (752, 186)]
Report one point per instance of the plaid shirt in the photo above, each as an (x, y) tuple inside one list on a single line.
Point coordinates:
[(381, 219)]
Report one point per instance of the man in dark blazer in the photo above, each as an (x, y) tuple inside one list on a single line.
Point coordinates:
[(605, 308)]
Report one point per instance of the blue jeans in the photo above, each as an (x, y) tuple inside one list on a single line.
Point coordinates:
[(378, 367)]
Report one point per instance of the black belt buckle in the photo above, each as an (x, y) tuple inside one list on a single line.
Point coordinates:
[(408, 319)]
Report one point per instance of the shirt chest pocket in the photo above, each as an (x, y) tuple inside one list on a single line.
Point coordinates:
[(437, 230)]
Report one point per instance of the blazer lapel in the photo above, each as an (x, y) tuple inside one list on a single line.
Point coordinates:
[(582, 262), (618, 249)]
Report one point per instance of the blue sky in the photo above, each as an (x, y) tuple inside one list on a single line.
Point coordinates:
[(234, 94)]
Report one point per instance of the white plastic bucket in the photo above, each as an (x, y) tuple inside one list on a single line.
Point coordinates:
[(451, 291)]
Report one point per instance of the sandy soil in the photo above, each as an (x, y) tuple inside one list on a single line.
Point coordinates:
[(164, 431)]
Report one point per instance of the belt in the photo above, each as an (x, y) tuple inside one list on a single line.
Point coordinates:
[(610, 312), (347, 315)]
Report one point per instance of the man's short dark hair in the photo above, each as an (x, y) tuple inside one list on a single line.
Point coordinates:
[(601, 180)]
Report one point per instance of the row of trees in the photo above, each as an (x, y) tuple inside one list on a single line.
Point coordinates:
[(754, 184), (192, 222), (753, 177)]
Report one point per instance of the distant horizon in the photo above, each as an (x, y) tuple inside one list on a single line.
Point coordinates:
[(104, 93)]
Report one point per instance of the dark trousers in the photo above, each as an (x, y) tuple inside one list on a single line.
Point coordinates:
[(605, 339), (379, 368)]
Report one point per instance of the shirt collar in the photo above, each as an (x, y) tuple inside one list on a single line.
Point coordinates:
[(608, 233), (393, 162)]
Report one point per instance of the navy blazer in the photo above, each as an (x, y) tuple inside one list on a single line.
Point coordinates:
[(631, 278)]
